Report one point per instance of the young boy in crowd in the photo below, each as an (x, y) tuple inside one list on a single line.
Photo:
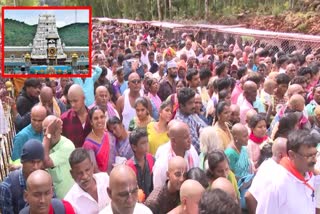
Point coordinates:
[(142, 162)]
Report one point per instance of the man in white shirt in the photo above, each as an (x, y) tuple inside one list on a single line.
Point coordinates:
[(89, 193), (188, 50), (263, 177), (292, 189), (123, 191), (144, 53), (159, 75), (179, 145)]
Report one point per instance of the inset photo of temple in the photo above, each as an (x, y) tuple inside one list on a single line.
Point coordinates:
[(41, 41)]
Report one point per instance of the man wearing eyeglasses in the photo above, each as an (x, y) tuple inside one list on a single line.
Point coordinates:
[(292, 189), (123, 192), (126, 102)]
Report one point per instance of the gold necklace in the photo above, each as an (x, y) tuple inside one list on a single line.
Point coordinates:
[(95, 134), (237, 150)]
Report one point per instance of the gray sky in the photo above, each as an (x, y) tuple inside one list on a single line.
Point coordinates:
[(63, 17)]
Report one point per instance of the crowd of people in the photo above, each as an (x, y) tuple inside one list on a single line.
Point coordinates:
[(169, 126)]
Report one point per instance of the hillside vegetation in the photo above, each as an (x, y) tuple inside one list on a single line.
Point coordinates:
[(74, 34), (21, 34), (275, 15), (18, 33)]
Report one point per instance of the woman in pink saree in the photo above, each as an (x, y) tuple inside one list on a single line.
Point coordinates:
[(99, 142)]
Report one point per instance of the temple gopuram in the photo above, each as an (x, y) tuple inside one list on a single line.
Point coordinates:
[(47, 54)]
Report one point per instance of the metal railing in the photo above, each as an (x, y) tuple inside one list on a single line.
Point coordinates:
[(6, 144)]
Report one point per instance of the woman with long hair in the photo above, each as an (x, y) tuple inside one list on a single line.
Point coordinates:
[(221, 123), (217, 165), (286, 124), (121, 135), (143, 117), (153, 85), (158, 131), (99, 143)]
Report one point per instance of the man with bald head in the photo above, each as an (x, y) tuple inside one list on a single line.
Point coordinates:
[(264, 174), (237, 152), (273, 75), (250, 91), (101, 99), (88, 84), (39, 193), (123, 192), (52, 104), (235, 115), (126, 101), (166, 197), (32, 131), (188, 50), (28, 97), (226, 186), (57, 150), (296, 103), (179, 145), (295, 89), (249, 115), (269, 86), (76, 122), (190, 195), (12, 187)]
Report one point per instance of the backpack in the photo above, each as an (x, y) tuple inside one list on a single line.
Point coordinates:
[(150, 161), (57, 205)]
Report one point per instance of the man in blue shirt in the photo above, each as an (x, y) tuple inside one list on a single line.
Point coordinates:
[(13, 186), (32, 131), (87, 84)]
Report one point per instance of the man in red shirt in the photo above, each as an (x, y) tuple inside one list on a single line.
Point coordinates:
[(39, 194), (76, 123)]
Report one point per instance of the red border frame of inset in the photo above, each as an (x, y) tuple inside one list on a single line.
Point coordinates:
[(46, 8)]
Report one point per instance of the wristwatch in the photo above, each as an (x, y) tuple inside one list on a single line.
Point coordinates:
[(48, 135)]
